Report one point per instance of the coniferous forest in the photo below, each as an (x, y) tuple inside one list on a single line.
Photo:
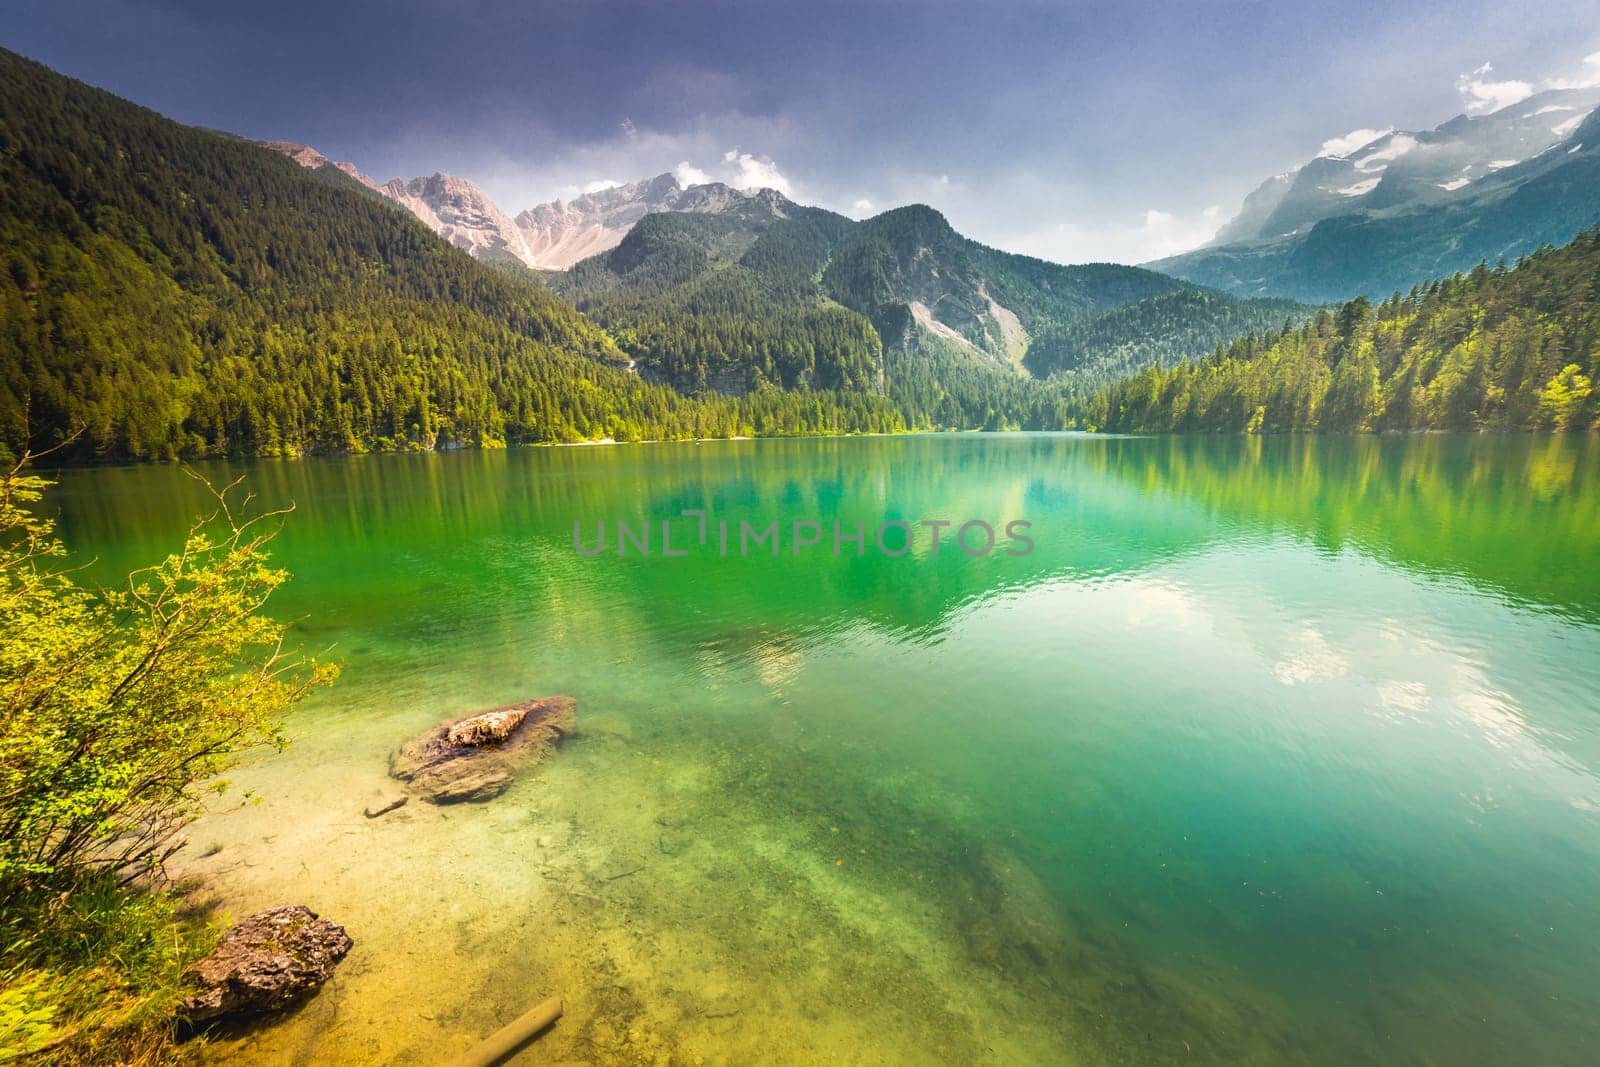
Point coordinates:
[(956, 334), (1498, 349), (172, 292)]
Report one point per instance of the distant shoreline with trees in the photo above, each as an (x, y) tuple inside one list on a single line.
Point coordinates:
[(1504, 348)]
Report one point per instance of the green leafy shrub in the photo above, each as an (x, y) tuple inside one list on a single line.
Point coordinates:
[(119, 709)]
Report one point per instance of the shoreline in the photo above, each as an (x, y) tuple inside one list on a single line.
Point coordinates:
[(116, 464)]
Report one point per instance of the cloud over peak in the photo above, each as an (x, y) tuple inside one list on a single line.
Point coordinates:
[(1152, 234), (742, 170), (1484, 95), (688, 174), (1336, 147), (756, 172), (1587, 78)]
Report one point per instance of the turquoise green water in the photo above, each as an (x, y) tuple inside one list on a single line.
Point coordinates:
[(1271, 751)]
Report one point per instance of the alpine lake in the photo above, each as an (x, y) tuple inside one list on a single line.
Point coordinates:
[(1270, 751)]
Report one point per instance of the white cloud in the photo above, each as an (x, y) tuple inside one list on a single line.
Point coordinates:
[(1166, 233), (756, 172), (693, 155), (1156, 233), (601, 185), (1588, 77), (1337, 147), (689, 174), (861, 208), (1484, 96), (1378, 161)]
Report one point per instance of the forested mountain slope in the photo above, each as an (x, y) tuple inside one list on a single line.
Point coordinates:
[(1513, 349), (953, 331), (168, 291), (1159, 330)]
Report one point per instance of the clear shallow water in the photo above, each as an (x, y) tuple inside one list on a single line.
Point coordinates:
[(1272, 751)]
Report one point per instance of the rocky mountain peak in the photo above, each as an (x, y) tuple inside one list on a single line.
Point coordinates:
[(563, 232), (550, 236), (311, 159), (1401, 170), (462, 214)]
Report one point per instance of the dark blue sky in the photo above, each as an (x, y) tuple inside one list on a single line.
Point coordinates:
[(1074, 130)]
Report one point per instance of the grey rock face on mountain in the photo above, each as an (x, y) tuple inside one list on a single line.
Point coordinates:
[(1409, 206), (454, 208), (1258, 207), (563, 232), (462, 214), (550, 236)]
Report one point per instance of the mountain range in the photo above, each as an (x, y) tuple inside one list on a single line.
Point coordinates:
[(166, 291), (1409, 206), (1404, 207), (714, 289), (769, 292), (169, 291), (550, 236), (939, 293)]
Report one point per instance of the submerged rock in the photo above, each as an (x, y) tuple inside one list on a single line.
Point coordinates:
[(475, 756), (1013, 919), (265, 963)]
